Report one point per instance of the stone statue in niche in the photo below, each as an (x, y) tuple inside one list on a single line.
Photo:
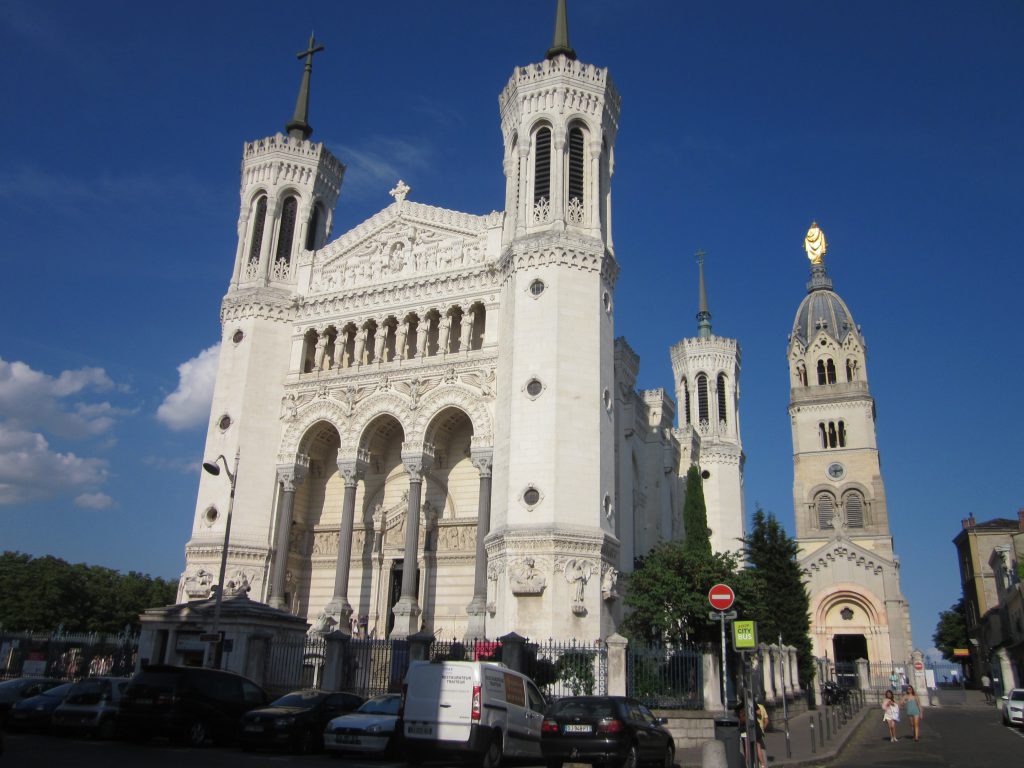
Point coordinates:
[(609, 582), (526, 579), (578, 573)]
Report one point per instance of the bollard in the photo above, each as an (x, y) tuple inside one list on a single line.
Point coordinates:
[(828, 724), (813, 750)]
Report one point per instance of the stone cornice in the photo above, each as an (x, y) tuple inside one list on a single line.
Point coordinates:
[(261, 303), (559, 249)]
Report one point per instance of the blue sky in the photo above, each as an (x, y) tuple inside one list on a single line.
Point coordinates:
[(896, 125)]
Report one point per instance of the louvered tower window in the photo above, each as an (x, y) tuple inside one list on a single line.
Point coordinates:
[(821, 371), (826, 508), (313, 230), (576, 146), (854, 510), (686, 400), (823, 434), (842, 434), (849, 370), (721, 398), (702, 399), (260, 221), (542, 167), (284, 240), (830, 371)]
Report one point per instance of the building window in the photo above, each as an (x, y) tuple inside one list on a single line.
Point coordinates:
[(825, 505), (821, 371), (238, 336), (258, 224), (289, 211), (531, 497), (823, 434), (542, 176), (842, 434), (849, 369), (575, 207), (686, 399), (537, 287), (721, 398), (702, 399), (830, 371), (833, 434), (313, 230), (534, 387), (854, 504)]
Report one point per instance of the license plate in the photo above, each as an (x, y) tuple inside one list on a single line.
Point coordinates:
[(344, 738), (572, 728), (420, 730)]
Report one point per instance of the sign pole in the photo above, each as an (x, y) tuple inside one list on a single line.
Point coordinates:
[(725, 689), (721, 597)]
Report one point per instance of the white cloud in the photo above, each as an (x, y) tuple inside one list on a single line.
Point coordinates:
[(94, 501), (373, 171), (29, 470), (189, 405), (33, 400), (174, 464)]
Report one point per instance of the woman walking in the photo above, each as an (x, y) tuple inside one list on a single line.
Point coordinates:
[(913, 706), (891, 714)]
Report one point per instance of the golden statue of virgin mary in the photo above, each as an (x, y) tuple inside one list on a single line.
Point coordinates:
[(815, 244)]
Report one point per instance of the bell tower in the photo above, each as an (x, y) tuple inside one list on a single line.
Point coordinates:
[(289, 189), (554, 516)]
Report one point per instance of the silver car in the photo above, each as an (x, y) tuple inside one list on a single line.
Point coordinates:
[(1013, 707), (90, 707), (371, 728)]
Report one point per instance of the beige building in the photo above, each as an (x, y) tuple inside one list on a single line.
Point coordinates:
[(436, 426), (842, 519)]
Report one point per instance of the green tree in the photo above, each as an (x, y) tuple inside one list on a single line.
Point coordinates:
[(668, 593), (782, 603), (44, 592), (695, 514), (951, 630)]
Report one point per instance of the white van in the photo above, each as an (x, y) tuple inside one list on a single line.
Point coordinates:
[(481, 708)]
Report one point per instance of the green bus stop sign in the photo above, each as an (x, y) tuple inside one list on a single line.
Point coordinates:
[(744, 635)]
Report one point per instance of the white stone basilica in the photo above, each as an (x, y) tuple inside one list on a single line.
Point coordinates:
[(435, 425)]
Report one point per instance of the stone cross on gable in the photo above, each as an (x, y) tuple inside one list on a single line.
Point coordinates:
[(400, 191)]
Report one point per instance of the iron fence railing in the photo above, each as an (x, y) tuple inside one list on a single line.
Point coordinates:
[(670, 677), (67, 655)]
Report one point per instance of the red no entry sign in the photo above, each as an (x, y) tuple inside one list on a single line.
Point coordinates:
[(721, 597)]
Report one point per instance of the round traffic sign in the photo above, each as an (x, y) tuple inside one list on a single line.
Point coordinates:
[(918, 665), (721, 597)]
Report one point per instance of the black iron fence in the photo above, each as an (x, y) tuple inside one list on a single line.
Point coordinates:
[(670, 677), (67, 655)]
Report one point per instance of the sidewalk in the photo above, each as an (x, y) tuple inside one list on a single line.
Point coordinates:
[(799, 740)]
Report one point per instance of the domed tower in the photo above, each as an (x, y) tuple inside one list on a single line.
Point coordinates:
[(706, 368), (552, 543), (842, 521)]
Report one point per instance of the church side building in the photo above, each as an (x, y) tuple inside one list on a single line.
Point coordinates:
[(435, 427), (842, 520)]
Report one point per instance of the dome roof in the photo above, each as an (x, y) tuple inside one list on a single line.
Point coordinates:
[(822, 310)]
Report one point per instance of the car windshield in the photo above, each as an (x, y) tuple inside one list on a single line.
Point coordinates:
[(583, 708), (1016, 695), (300, 699), (87, 692), (381, 705)]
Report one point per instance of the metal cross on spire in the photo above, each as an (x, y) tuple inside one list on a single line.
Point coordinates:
[(299, 127)]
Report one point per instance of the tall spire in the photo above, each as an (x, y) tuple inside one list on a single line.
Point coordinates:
[(299, 127), (703, 314), (560, 45)]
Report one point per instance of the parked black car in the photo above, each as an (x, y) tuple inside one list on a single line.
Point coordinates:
[(35, 712), (189, 703), (295, 721), (21, 688), (604, 730)]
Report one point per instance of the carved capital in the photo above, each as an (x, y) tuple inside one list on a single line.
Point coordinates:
[(291, 476), (483, 460)]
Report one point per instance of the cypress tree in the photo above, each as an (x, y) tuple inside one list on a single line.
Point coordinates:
[(695, 514)]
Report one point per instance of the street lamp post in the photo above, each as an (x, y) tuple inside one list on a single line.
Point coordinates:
[(216, 646)]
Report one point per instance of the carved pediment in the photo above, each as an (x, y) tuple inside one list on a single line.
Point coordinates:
[(403, 240), (839, 549)]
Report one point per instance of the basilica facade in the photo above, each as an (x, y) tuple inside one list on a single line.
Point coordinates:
[(428, 420)]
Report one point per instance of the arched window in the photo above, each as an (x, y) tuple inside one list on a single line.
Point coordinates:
[(284, 240), (825, 506), (821, 371), (721, 398), (258, 224), (833, 438), (849, 369), (542, 176), (309, 351), (686, 399), (575, 199), (313, 234), (830, 370), (801, 374), (823, 434), (702, 399), (842, 434), (854, 504)]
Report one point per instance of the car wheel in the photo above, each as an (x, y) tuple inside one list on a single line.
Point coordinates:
[(670, 757), (197, 733), (631, 760), (492, 756)]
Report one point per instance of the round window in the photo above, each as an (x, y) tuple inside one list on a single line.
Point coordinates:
[(238, 336), (607, 399), (531, 496), (607, 300), (534, 387), (225, 422), (210, 515), (705, 474), (608, 506), (537, 287)]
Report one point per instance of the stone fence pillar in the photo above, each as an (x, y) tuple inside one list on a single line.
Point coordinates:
[(863, 675), (513, 651), (616, 664), (713, 692), (419, 646), (335, 674)]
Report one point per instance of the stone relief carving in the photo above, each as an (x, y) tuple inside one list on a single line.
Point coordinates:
[(325, 543), (577, 572), (238, 584), (460, 538), (609, 584), (198, 584), (324, 624), (525, 578)]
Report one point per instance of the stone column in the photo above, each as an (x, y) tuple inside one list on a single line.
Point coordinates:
[(477, 608), (778, 679), (712, 682), (863, 675), (407, 609), (1007, 680), (616, 664), (289, 476), (794, 669), (513, 652), (339, 606), (270, 229), (765, 671)]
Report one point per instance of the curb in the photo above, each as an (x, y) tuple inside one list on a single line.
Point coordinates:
[(832, 751)]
